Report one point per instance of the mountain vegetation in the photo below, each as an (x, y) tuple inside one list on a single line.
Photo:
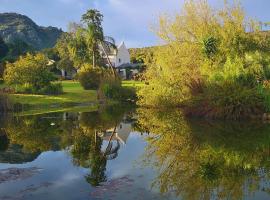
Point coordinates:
[(15, 27)]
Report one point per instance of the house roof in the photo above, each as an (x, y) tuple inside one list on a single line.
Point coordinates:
[(122, 44)]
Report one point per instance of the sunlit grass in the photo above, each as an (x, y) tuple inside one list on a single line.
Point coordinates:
[(74, 96), (73, 93), (132, 83)]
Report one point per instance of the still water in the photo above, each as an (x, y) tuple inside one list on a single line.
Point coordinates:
[(122, 153)]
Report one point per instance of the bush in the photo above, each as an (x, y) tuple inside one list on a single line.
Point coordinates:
[(264, 90), (90, 78), (30, 70), (229, 100), (25, 89), (117, 92), (52, 89)]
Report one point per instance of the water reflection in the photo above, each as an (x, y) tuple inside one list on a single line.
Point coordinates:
[(185, 159), (207, 160), (83, 134)]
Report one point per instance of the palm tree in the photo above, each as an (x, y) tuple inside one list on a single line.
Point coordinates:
[(95, 38)]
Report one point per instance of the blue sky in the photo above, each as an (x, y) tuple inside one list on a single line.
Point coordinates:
[(125, 20)]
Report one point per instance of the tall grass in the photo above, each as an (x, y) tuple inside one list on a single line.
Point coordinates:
[(228, 100)]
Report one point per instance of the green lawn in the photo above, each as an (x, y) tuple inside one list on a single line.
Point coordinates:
[(74, 95), (132, 83)]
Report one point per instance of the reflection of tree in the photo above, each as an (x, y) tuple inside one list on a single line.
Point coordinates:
[(86, 152), (31, 135), (37, 134), (4, 142), (87, 149), (201, 160), (12, 153)]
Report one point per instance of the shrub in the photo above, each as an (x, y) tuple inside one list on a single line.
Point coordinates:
[(52, 89), (30, 70), (117, 92), (264, 90), (90, 78), (228, 100), (25, 89)]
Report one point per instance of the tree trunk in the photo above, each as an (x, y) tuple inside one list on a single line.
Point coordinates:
[(108, 59), (94, 59)]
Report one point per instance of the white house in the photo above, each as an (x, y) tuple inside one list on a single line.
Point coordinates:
[(119, 58)]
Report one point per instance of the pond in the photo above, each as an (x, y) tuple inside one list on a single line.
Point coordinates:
[(125, 153)]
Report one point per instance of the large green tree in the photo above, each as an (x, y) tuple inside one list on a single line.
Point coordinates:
[(95, 38), (94, 31), (32, 70), (211, 57), (86, 43)]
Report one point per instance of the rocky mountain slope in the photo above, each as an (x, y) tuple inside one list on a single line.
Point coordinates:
[(14, 27)]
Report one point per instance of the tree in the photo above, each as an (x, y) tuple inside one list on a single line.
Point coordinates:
[(30, 70), (212, 165), (94, 31), (208, 53), (95, 37), (86, 43)]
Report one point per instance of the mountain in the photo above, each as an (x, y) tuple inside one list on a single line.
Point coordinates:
[(14, 27)]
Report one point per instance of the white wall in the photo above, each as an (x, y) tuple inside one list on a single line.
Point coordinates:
[(123, 56)]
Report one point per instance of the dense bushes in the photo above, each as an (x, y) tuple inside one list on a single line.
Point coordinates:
[(210, 64), (31, 74), (90, 78), (50, 89), (229, 100), (108, 85), (117, 92)]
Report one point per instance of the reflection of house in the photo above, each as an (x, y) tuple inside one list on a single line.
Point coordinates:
[(122, 132)]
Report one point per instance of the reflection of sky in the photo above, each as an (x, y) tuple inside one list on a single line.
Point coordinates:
[(60, 179), (66, 181)]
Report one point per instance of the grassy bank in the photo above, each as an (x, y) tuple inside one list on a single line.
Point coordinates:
[(73, 94), (74, 98)]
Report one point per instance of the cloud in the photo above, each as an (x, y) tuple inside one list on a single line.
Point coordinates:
[(131, 20), (128, 20)]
